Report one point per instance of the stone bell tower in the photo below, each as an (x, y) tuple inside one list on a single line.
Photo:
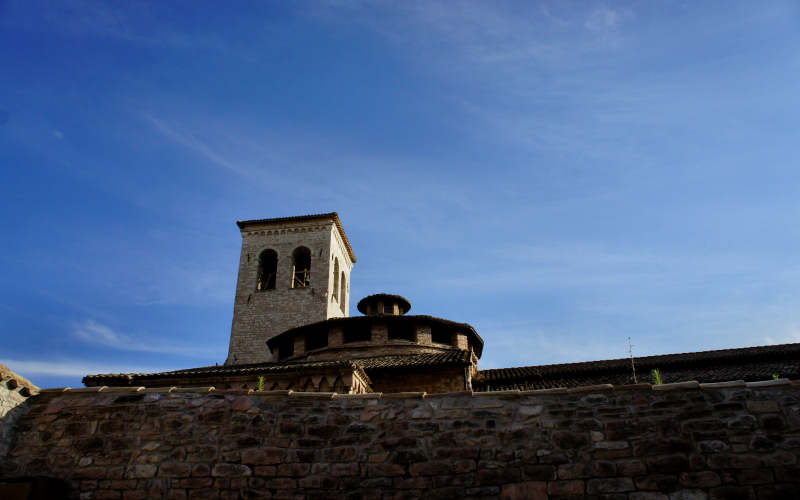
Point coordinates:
[(292, 271)]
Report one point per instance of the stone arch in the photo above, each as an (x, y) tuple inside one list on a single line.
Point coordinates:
[(337, 293), (343, 292)]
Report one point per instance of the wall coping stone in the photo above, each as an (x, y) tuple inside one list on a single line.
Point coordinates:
[(643, 386), (555, 390), (449, 394), (371, 395), (692, 384), (312, 395), (283, 392), (121, 389), (404, 395), (592, 388), (770, 383), (723, 385), (513, 392), (89, 389)]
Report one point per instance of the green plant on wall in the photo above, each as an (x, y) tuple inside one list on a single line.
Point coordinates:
[(656, 373), (260, 386), (775, 376)]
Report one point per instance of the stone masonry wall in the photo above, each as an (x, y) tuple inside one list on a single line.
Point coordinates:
[(679, 441)]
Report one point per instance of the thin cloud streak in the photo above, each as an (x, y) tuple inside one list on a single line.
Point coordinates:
[(195, 145), (73, 368), (95, 333), (559, 267)]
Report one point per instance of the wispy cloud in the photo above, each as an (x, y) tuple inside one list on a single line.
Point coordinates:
[(96, 333), (72, 368), (605, 20), (790, 334), (521, 343), (284, 163), (194, 144), (490, 34), (521, 267)]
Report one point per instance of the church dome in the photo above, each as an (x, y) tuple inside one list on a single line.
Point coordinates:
[(384, 304)]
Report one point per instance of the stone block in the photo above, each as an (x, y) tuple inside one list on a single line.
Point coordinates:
[(701, 479), (174, 469), (573, 487), (732, 493), (657, 482), (141, 471), (531, 490), (668, 464), (609, 485), (230, 470)]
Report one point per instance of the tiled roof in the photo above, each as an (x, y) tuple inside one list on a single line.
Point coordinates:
[(749, 364), (364, 364), (303, 218), (222, 370), (454, 357)]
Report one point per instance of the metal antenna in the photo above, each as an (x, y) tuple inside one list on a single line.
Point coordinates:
[(633, 366)]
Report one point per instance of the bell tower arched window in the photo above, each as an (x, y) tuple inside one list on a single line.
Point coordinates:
[(336, 293), (267, 269), (343, 292), (301, 268)]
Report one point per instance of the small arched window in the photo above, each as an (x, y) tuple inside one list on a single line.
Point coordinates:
[(301, 268), (336, 294), (267, 269), (343, 292)]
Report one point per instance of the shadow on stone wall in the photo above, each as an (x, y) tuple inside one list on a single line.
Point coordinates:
[(34, 488)]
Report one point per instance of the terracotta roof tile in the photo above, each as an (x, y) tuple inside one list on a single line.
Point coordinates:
[(454, 357)]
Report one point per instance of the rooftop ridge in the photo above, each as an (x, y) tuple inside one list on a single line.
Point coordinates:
[(685, 357)]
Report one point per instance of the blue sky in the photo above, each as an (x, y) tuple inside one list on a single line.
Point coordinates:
[(561, 175)]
